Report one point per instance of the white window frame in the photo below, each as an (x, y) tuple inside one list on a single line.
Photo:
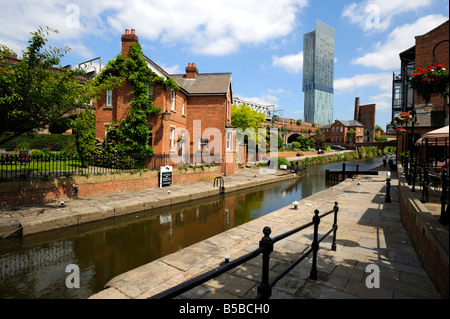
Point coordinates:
[(109, 98), (172, 100), (150, 91), (229, 140), (172, 137), (182, 106)]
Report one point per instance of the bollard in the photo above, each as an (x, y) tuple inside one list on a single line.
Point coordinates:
[(388, 189), (315, 245), (335, 226), (264, 289)]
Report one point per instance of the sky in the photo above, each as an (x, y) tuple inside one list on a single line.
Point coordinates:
[(259, 41)]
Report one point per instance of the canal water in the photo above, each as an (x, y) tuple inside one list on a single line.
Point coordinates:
[(35, 266)]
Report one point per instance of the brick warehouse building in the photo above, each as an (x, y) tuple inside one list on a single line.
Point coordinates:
[(203, 101), (365, 114)]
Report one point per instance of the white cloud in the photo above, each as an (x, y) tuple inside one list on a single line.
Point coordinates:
[(386, 55), (217, 27), (382, 81), (293, 63), (377, 15)]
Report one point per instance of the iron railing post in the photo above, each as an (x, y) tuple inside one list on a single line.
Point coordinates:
[(265, 289), (414, 176), (335, 226), (443, 219), (425, 186), (315, 245)]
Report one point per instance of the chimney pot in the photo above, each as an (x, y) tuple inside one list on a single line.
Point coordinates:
[(190, 65), (127, 31), (193, 65), (133, 31)]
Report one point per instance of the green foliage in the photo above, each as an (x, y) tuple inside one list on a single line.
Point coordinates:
[(381, 138), (56, 142), (248, 121), (283, 161), (84, 132), (36, 91), (132, 134)]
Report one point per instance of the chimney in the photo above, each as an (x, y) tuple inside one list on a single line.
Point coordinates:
[(127, 40), (191, 71), (356, 117)]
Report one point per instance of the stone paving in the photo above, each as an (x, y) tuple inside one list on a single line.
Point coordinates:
[(370, 232)]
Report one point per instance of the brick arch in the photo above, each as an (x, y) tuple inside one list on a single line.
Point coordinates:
[(292, 137)]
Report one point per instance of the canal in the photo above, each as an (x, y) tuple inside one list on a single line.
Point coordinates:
[(35, 266)]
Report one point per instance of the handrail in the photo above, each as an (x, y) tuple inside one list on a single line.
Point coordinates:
[(265, 248), (221, 183)]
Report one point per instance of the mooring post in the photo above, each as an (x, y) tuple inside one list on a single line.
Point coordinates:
[(264, 289), (315, 245), (335, 226)]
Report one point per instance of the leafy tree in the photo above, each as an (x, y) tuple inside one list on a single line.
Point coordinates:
[(35, 92), (84, 132), (351, 135), (243, 117)]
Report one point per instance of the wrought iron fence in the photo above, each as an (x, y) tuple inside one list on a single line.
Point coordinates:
[(266, 246), (25, 167)]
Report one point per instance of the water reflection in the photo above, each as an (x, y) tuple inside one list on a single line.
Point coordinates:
[(35, 266)]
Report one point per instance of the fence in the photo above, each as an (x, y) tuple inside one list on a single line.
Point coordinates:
[(25, 167), (266, 246)]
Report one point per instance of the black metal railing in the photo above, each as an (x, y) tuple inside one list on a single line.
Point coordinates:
[(25, 167), (266, 246), (431, 180)]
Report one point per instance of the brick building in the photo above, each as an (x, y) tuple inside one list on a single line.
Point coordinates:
[(336, 133), (431, 47), (365, 114), (200, 112)]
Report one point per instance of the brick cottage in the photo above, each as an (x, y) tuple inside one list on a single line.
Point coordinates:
[(200, 113)]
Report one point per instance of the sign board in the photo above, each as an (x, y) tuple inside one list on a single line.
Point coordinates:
[(165, 176), (390, 129)]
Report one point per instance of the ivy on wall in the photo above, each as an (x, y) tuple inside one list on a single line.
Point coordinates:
[(132, 133)]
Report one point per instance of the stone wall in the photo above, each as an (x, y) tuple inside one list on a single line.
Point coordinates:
[(40, 191)]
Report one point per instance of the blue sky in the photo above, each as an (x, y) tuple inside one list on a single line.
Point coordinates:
[(259, 41)]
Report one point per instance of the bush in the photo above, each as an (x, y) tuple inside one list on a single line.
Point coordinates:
[(58, 142), (283, 161)]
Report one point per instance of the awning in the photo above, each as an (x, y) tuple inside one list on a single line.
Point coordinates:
[(436, 137)]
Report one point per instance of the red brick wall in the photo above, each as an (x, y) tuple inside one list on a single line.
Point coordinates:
[(424, 54), (63, 189), (432, 259)]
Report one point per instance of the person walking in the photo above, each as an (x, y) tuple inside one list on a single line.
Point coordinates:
[(384, 158)]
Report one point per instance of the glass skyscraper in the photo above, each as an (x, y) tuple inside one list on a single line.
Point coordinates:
[(318, 74)]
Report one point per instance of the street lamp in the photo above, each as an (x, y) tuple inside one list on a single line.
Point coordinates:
[(166, 115)]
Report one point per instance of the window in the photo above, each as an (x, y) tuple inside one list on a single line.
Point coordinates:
[(342, 129), (172, 102), (182, 107), (172, 137), (229, 140), (109, 98), (203, 143), (150, 91)]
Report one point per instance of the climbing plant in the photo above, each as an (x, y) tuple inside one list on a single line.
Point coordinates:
[(133, 132)]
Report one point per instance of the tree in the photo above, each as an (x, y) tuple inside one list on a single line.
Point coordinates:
[(35, 92), (243, 117), (84, 132)]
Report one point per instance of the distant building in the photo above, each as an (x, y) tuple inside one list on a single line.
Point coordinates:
[(318, 74), (365, 114), (336, 133)]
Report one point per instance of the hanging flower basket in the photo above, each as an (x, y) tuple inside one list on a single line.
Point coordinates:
[(401, 131), (431, 81), (403, 118)]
